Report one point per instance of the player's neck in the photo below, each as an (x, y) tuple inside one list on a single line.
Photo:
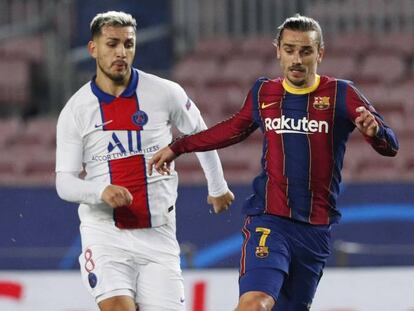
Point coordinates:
[(308, 88), (110, 86)]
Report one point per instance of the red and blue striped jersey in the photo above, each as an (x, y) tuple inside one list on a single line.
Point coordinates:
[(304, 137)]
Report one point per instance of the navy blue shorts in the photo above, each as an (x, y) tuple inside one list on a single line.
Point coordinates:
[(283, 258)]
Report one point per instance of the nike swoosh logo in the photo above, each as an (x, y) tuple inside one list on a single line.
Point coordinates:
[(264, 105), (103, 124)]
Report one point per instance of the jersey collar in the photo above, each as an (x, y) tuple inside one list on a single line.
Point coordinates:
[(128, 92), (302, 91)]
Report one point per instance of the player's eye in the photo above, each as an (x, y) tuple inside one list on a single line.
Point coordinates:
[(307, 52)]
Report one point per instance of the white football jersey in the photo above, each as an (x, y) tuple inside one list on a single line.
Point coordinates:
[(114, 137)]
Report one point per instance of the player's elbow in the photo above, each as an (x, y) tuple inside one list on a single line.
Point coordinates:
[(59, 187), (61, 184)]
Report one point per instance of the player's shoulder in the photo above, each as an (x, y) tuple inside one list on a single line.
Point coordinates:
[(79, 103), (332, 81), (152, 79), (82, 96), (164, 88), (270, 81), (268, 85)]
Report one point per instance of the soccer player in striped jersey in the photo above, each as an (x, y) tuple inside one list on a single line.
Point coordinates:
[(305, 119), (113, 125)]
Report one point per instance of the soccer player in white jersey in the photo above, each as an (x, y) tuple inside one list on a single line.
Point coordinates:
[(112, 126)]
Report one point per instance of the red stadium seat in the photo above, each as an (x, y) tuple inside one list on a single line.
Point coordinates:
[(15, 85), (16, 48), (240, 71), (399, 44), (397, 121), (402, 93), (340, 66), (34, 165), (382, 68), (196, 71), (216, 48), (351, 44), (382, 98), (272, 69), (378, 169), (260, 47), (9, 129), (210, 101), (37, 131)]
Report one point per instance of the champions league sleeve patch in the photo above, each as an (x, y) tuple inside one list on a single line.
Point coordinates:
[(140, 118), (188, 104), (92, 279)]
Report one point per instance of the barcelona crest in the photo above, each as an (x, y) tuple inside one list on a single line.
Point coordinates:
[(262, 251), (321, 102)]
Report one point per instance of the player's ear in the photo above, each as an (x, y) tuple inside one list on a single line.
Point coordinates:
[(321, 52), (276, 45), (92, 49)]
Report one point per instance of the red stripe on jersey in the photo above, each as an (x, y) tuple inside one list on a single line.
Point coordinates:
[(130, 172), (246, 234), (274, 155), (321, 107), (117, 115)]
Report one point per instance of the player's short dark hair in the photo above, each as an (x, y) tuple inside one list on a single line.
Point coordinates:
[(300, 23), (111, 18)]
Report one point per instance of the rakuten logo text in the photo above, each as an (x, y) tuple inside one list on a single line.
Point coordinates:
[(301, 126)]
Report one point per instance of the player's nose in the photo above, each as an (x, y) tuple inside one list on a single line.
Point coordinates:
[(120, 51)]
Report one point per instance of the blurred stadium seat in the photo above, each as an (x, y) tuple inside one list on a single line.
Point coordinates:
[(239, 71), (402, 93), (196, 71), (272, 69), (260, 47), (29, 48), (14, 83), (340, 66), (9, 128), (349, 44), (381, 68), (27, 151), (377, 169), (399, 44), (217, 48)]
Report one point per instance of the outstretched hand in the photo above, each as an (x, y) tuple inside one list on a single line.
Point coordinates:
[(222, 202), (161, 161), (366, 122)]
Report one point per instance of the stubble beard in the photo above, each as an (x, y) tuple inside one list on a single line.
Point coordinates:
[(116, 78), (298, 83)]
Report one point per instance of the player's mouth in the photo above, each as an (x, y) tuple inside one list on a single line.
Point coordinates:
[(119, 65), (297, 72)]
